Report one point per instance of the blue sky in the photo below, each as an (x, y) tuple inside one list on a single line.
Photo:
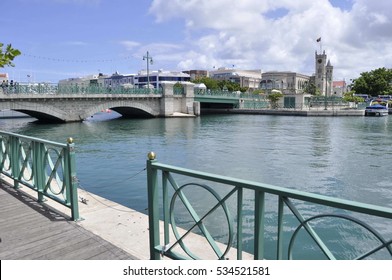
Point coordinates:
[(70, 38)]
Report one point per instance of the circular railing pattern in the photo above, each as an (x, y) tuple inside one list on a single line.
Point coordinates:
[(179, 193), (53, 171), (5, 150), (26, 160), (384, 244)]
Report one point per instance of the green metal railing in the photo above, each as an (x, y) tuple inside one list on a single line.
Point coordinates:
[(329, 101), (255, 104), (43, 166), (56, 89), (178, 186), (217, 93)]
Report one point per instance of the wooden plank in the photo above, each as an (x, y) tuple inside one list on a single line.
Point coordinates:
[(30, 230)]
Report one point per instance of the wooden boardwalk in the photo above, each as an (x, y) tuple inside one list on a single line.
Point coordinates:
[(32, 231)]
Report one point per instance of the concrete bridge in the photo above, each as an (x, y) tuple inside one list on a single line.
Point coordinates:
[(67, 106)]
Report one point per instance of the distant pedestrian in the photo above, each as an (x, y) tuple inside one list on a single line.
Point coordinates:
[(4, 86)]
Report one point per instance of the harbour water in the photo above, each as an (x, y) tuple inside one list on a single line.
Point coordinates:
[(345, 157)]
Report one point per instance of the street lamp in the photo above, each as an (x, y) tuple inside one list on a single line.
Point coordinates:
[(148, 58), (326, 90)]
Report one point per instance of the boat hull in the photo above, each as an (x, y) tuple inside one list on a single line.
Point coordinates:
[(376, 112)]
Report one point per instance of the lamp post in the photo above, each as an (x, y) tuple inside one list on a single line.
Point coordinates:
[(326, 91), (148, 58)]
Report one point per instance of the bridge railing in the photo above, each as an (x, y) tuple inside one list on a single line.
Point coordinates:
[(96, 89), (55, 89), (43, 166), (217, 93), (196, 211)]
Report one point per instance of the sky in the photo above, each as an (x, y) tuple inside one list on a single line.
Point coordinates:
[(61, 39)]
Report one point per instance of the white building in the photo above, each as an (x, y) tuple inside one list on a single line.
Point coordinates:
[(85, 81), (3, 78), (155, 78), (245, 78), (339, 88), (117, 80)]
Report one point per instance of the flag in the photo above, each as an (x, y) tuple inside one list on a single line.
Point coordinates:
[(318, 40)]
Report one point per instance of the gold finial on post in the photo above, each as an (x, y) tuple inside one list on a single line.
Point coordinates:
[(70, 140), (151, 156)]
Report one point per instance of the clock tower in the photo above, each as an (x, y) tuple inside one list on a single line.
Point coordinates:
[(323, 74)]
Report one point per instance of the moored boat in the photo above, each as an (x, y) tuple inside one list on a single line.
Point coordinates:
[(377, 107)]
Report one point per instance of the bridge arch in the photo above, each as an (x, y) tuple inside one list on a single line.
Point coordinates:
[(37, 110), (125, 108)]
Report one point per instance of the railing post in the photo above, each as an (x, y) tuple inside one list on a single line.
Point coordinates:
[(15, 159), (240, 197), (166, 207), (153, 206), (279, 249), (70, 179), (259, 225), (39, 168), (2, 155)]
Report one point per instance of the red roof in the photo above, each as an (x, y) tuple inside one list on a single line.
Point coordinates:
[(339, 83)]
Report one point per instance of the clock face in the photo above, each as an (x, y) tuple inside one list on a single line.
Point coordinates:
[(319, 60)]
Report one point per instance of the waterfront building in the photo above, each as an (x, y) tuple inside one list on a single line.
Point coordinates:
[(85, 81), (245, 78), (155, 78), (286, 82), (117, 80), (339, 88), (3, 78), (197, 74)]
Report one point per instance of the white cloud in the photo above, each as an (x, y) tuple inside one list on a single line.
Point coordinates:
[(281, 34), (130, 45), (76, 43)]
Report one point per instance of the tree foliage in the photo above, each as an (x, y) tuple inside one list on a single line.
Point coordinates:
[(311, 89), (373, 83), (350, 97), (7, 55), (274, 98), (219, 84)]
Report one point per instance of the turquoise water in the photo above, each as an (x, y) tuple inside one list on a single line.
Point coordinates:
[(345, 157)]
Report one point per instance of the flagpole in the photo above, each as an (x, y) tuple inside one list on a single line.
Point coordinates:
[(320, 43)]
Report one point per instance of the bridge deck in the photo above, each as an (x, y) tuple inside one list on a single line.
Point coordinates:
[(30, 230)]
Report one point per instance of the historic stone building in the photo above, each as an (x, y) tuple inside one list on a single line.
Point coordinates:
[(285, 81), (324, 74)]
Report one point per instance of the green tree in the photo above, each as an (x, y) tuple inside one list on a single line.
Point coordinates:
[(349, 97), (178, 88), (210, 83), (373, 83), (274, 98), (311, 89), (219, 84), (7, 55)]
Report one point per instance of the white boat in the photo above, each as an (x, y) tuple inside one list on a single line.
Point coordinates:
[(377, 107)]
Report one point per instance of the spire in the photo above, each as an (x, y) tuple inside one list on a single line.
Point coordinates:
[(329, 63)]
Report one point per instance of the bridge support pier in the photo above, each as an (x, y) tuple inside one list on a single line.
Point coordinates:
[(184, 103)]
